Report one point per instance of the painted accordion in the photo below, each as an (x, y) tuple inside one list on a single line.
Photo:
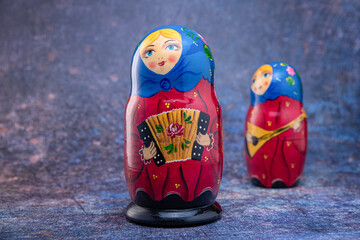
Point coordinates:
[(174, 133)]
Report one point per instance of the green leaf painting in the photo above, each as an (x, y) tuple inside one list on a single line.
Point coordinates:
[(191, 34), (187, 118), (159, 128), (290, 81), (170, 148), (208, 52)]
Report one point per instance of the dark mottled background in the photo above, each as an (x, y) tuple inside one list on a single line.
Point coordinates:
[(64, 82)]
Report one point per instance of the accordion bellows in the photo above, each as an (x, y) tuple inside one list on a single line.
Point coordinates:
[(174, 133)]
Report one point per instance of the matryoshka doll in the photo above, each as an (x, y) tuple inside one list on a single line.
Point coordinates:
[(173, 130), (275, 127)]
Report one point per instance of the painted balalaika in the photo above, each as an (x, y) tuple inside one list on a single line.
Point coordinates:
[(276, 127), (173, 136)]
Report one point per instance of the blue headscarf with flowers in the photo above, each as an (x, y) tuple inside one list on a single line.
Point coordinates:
[(285, 82), (196, 62)]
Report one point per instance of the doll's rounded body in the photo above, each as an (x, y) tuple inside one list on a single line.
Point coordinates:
[(275, 127), (173, 137)]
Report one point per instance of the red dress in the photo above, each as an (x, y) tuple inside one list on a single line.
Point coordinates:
[(281, 158), (188, 178)]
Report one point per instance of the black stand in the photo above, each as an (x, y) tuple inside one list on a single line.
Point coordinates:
[(173, 217)]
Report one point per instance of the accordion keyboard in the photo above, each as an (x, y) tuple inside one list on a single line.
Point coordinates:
[(146, 136), (203, 125)]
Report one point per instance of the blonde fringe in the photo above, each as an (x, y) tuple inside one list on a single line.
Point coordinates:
[(166, 32)]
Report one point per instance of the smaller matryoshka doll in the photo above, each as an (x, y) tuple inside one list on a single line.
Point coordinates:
[(173, 138), (275, 127)]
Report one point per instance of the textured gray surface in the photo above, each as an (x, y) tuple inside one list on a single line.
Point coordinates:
[(64, 82)]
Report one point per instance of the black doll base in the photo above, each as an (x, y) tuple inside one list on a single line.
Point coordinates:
[(278, 184), (173, 217)]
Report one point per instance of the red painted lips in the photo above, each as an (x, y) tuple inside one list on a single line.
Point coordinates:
[(161, 63)]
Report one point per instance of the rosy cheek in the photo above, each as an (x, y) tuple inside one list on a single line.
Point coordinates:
[(266, 83), (152, 64), (172, 58)]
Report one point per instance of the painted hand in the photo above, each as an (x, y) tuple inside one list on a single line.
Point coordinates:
[(149, 152), (297, 125), (249, 137), (203, 140)]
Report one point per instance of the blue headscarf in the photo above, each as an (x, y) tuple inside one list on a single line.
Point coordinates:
[(285, 82), (195, 63)]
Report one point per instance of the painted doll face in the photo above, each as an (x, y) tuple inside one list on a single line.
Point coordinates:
[(161, 55), (261, 80)]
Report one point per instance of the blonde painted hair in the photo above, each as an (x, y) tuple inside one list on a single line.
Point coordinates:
[(266, 67), (166, 32)]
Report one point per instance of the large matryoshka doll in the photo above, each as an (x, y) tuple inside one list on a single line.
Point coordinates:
[(173, 130), (275, 127)]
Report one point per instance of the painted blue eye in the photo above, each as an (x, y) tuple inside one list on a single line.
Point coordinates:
[(253, 81), (171, 47), (266, 75), (149, 53)]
